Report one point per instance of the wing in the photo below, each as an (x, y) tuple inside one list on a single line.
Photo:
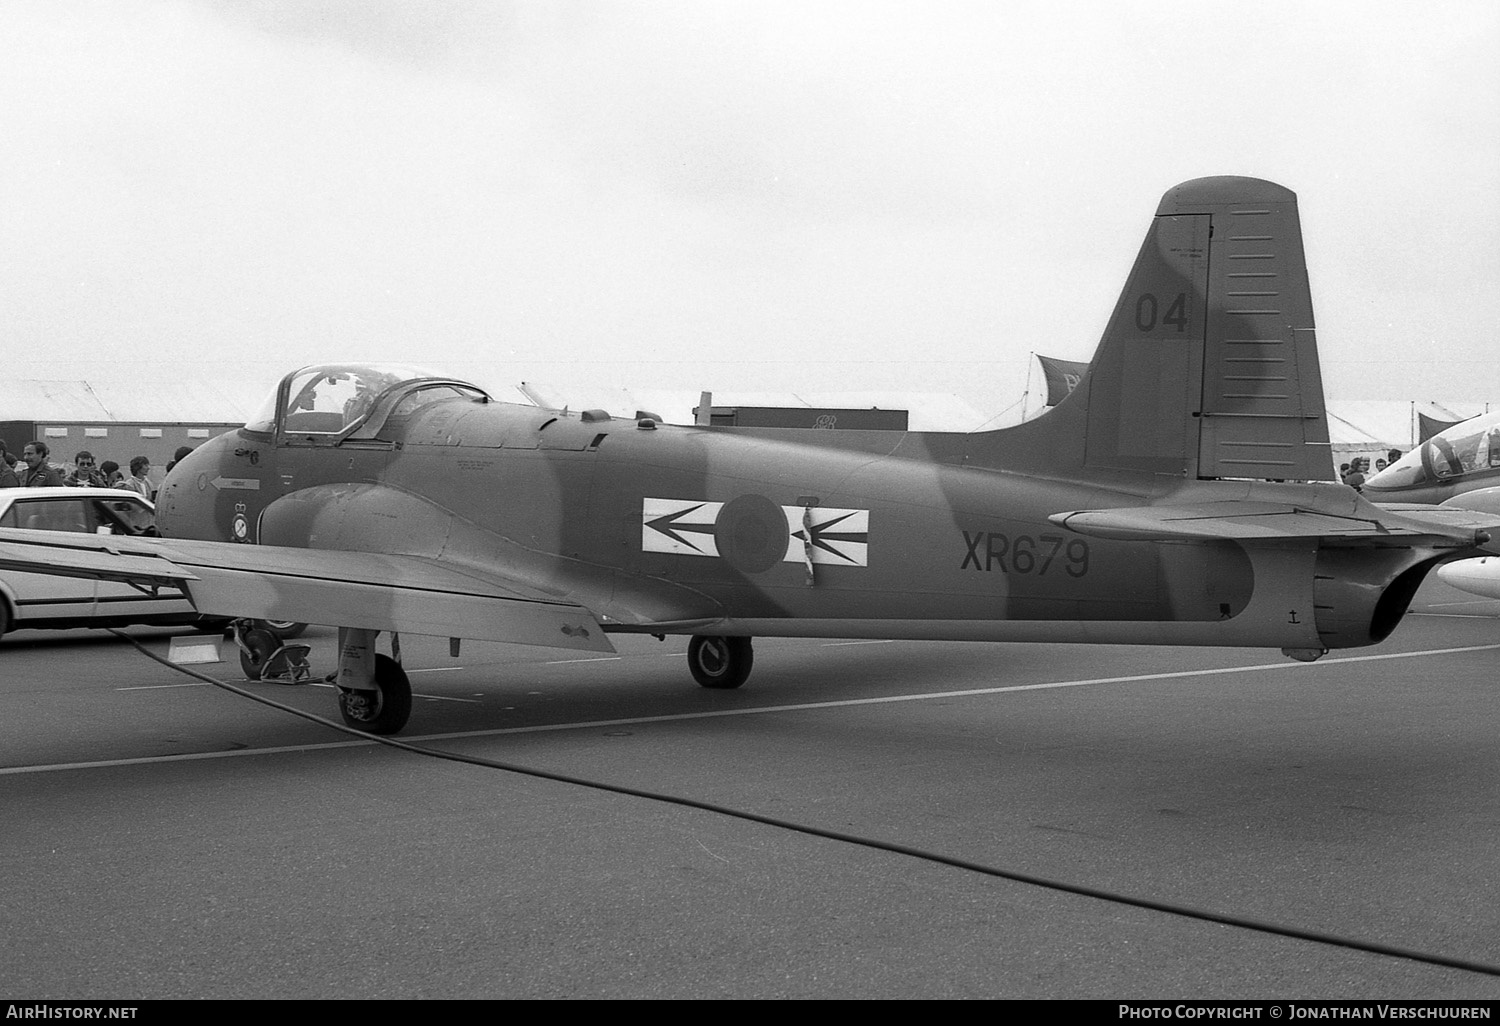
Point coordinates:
[(377, 591)]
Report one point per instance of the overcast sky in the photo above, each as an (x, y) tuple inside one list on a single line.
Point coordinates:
[(736, 194)]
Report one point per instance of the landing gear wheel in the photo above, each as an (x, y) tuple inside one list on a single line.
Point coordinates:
[(719, 662), (379, 712), (259, 646)]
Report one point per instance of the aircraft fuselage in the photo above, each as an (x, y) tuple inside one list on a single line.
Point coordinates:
[(875, 534)]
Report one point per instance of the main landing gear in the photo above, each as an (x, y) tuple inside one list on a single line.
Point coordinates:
[(374, 692), (720, 662)]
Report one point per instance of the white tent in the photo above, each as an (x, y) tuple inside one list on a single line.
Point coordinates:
[(1372, 427)]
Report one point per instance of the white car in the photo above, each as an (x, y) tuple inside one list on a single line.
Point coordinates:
[(39, 600)]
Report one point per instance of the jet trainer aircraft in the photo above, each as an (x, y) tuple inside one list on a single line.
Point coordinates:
[(1457, 468), (1460, 460), (1179, 496)]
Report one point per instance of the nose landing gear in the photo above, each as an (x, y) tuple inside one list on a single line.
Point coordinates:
[(263, 656)]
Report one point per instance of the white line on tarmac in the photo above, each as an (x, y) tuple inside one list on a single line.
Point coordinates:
[(889, 699), (970, 693), (316, 684), (163, 687), (414, 694)]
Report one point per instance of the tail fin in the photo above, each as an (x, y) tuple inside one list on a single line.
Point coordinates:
[(1209, 367)]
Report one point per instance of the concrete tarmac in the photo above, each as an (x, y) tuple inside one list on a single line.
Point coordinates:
[(162, 838)]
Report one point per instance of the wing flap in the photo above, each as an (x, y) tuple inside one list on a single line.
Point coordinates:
[(478, 615), (376, 591), (61, 560)]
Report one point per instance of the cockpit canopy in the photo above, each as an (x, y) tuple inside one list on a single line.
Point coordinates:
[(327, 403), (1462, 449)]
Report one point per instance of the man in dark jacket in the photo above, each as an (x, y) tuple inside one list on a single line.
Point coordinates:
[(8, 478), (39, 473)]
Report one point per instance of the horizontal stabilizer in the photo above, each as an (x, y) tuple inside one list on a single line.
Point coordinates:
[(1249, 520)]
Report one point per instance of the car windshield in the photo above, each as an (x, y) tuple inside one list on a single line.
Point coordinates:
[(81, 515)]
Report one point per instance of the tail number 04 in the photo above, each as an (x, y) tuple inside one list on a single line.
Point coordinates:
[(1148, 312)]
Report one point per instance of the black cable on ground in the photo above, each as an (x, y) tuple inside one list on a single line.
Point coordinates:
[(1171, 908)]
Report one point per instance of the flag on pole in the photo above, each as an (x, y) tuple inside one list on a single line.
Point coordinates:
[(1062, 377)]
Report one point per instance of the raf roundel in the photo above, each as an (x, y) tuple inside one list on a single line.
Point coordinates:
[(751, 533)]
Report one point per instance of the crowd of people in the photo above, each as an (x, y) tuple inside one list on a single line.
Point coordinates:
[(34, 469), (1354, 472)]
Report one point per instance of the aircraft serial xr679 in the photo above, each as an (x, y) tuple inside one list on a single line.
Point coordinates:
[(1179, 496)]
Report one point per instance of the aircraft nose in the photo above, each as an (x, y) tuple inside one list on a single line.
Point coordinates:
[(185, 505), (1478, 576)]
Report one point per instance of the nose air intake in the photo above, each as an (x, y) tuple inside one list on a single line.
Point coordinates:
[(197, 499)]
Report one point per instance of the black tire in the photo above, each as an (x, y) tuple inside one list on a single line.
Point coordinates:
[(262, 646), (379, 712), (4, 617), (286, 630), (719, 662)]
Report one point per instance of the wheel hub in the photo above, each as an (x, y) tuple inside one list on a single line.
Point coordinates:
[(713, 658), (362, 705)]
